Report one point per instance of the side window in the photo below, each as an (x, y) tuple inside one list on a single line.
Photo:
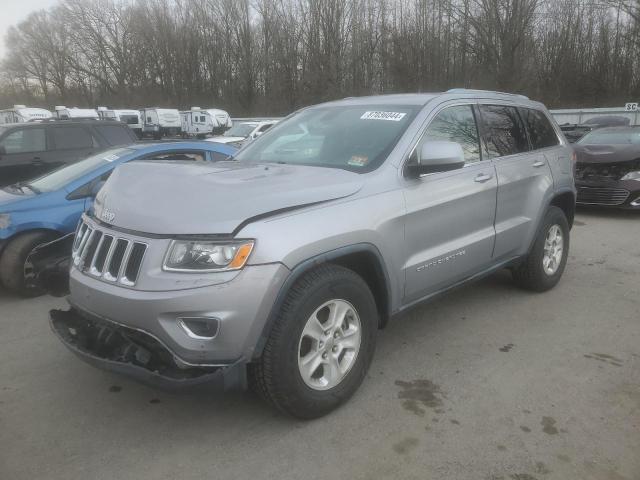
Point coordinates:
[(456, 124), (219, 157), (25, 140), (266, 127), (115, 135), (72, 138), (504, 132), (541, 132), (195, 156)]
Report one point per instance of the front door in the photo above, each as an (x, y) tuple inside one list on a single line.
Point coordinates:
[(449, 227), (22, 155)]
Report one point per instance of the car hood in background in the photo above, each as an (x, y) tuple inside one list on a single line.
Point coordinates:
[(192, 199), (606, 153)]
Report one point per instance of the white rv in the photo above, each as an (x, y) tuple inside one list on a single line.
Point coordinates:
[(130, 117), (221, 120), (159, 122), (22, 113), (65, 113), (196, 123)]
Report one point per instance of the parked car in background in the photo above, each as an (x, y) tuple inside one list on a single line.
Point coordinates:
[(279, 267), (35, 212), (221, 120), (160, 122), (244, 131), (130, 117), (575, 132), (64, 113), (196, 123), (29, 150), (22, 113), (608, 168)]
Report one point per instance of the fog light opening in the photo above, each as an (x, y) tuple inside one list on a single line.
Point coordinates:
[(200, 328), (636, 202)]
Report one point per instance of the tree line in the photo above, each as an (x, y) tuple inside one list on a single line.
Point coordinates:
[(269, 57)]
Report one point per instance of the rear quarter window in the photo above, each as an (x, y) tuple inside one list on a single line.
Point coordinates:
[(69, 138), (115, 135), (541, 132)]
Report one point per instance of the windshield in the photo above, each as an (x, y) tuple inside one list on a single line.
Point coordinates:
[(63, 176), (357, 138), (611, 137), (240, 130)]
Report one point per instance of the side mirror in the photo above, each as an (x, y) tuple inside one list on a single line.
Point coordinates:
[(438, 156)]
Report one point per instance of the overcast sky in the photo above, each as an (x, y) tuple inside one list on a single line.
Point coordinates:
[(13, 11)]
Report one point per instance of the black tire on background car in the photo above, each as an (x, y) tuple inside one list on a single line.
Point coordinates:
[(13, 258), (544, 265), (321, 344)]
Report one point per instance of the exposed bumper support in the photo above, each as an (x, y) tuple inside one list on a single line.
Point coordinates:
[(137, 355)]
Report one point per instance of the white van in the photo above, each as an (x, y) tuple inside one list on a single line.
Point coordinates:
[(130, 117), (22, 113), (196, 122), (221, 120), (159, 122), (74, 113)]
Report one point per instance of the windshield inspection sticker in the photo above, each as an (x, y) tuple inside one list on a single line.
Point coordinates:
[(390, 116)]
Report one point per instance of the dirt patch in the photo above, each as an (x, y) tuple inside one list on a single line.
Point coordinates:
[(419, 395), (548, 425), (405, 445)]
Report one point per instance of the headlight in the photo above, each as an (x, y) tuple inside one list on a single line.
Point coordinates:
[(5, 220), (197, 256), (632, 176)]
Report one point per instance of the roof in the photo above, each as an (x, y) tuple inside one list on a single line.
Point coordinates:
[(423, 98), (58, 121)]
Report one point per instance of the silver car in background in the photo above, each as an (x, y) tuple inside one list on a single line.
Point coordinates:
[(277, 268)]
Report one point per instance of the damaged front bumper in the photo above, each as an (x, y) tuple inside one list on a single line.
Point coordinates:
[(138, 355)]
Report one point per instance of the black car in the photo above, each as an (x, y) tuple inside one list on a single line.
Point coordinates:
[(29, 150), (608, 168)]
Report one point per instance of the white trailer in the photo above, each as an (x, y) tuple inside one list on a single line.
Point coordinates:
[(221, 120), (158, 122), (196, 122), (64, 113), (131, 117), (22, 113)]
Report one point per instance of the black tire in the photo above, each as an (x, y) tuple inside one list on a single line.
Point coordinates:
[(530, 274), (12, 262), (276, 376)]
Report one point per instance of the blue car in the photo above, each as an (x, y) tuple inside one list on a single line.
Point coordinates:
[(37, 212)]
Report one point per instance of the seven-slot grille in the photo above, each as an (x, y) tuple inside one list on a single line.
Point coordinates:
[(107, 256), (602, 195)]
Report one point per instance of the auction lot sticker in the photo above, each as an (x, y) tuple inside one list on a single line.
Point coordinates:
[(390, 116)]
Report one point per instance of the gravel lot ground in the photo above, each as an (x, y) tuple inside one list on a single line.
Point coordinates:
[(489, 382)]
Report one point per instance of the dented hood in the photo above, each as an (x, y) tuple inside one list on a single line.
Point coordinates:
[(175, 198)]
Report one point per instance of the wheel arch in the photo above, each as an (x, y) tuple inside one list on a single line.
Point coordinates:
[(363, 258), (565, 201), (6, 241)]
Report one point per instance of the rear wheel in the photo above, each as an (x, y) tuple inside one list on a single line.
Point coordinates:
[(321, 344), (14, 269), (544, 265)]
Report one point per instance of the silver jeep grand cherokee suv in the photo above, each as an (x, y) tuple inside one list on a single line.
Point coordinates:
[(276, 269)]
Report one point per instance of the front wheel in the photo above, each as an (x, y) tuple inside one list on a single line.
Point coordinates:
[(544, 265), (14, 269), (321, 344)]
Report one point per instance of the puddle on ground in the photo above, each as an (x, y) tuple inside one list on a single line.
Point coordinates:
[(548, 425), (419, 395)]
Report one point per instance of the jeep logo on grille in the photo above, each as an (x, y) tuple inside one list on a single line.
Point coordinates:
[(107, 216)]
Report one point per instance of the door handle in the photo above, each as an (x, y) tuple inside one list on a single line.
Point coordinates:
[(483, 177), (539, 163)]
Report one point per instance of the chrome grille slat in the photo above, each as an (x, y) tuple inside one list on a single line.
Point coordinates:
[(119, 266)]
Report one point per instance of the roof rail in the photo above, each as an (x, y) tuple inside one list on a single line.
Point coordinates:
[(467, 90)]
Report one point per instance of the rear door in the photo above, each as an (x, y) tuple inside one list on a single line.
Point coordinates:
[(70, 144), (449, 225), (524, 178), (115, 135), (24, 152)]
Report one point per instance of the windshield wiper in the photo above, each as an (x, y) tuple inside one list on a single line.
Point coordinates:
[(23, 185)]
